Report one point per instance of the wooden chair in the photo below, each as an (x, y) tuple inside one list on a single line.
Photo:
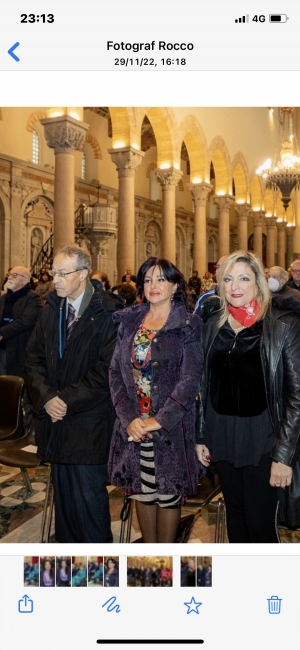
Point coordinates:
[(12, 454), (11, 414)]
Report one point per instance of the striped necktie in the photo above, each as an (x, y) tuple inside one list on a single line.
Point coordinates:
[(71, 320)]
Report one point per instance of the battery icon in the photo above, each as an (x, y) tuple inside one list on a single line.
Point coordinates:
[(278, 18)]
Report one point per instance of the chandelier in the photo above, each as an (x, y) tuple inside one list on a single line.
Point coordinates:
[(285, 174)]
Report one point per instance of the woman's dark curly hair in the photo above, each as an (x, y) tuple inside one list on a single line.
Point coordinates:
[(169, 271)]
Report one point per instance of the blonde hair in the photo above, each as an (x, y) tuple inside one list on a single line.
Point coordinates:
[(263, 295)]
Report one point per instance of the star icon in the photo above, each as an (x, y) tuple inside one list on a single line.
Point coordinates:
[(192, 606)]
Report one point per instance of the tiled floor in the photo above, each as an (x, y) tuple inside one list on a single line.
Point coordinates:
[(20, 515)]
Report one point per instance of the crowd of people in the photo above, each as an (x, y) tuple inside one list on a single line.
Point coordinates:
[(149, 575), (196, 572), (149, 383)]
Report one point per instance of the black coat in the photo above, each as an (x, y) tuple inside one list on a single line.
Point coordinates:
[(280, 354), (16, 334), (79, 378)]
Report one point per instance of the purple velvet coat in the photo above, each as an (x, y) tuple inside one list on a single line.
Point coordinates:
[(176, 358)]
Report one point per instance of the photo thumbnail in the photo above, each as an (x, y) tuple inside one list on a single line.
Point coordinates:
[(150, 571)]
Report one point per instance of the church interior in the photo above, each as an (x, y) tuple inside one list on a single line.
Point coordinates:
[(131, 182), (127, 183)]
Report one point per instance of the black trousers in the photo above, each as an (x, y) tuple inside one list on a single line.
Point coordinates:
[(81, 503), (251, 502)]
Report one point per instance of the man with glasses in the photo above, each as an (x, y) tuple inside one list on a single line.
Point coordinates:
[(19, 311), (294, 282), (67, 375)]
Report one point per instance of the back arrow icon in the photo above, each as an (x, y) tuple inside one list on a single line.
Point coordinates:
[(11, 51)]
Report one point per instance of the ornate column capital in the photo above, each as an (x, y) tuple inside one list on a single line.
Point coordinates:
[(258, 217), (290, 230), (270, 222), (64, 134), (126, 159), (168, 177), (224, 202), (281, 226), (199, 192), (243, 210)]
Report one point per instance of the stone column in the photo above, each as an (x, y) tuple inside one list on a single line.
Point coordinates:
[(126, 160), (188, 251), (200, 193), (65, 135), (281, 243), (258, 222), (290, 245), (168, 179), (296, 201), (17, 252), (243, 210), (224, 204), (271, 223)]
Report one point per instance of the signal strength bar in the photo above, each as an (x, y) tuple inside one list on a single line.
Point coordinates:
[(243, 19)]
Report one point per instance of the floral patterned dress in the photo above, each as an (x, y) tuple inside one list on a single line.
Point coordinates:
[(141, 371)]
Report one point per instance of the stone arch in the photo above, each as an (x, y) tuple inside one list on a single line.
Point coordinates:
[(4, 239), (191, 133), (219, 156), (152, 240), (123, 127), (33, 197), (240, 176), (212, 248), (150, 169), (37, 211), (33, 118), (180, 248), (2, 210), (164, 125), (5, 196), (90, 139), (256, 193), (269, 202)]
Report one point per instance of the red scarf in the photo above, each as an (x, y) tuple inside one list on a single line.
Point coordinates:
[(247, 314)]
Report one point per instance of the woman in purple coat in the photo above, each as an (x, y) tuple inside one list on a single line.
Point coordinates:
[(155, 378)]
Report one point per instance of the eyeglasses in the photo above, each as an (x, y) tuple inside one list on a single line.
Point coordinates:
[(295, 270), (14, 275), (62, 274)]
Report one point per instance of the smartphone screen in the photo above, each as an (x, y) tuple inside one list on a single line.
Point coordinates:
[(116, 224)]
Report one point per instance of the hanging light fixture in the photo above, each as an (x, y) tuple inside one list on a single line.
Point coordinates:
[(285, 174)]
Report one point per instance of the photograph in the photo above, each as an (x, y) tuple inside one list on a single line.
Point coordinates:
[(111, 572), (63, 572), (204, 571), (31, 571), (188, 567), (79, 571), (149, 571), (154, 254), (47, 571), (95, 571)]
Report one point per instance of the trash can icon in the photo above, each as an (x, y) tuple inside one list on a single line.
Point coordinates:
[(274, 604)]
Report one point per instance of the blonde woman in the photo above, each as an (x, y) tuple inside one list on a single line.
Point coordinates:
[(251, 400)]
